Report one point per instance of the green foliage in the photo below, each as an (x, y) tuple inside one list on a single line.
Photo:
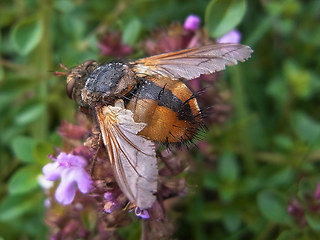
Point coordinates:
[(16, 206), (272, 206), (23, 148), (24, 180), (223, 15), (266, 155), (228, 168), (26, 35), (131, 31)]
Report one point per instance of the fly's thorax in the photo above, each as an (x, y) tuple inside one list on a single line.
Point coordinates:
[(107, 83)]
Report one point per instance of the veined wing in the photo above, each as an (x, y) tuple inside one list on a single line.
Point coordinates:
[(192, 62), (132, 157)]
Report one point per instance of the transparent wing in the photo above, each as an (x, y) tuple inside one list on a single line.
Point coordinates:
[(132, 157), (190, 63)]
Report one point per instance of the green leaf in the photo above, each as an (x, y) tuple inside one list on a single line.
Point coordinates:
[(228, 168), (306, 128), (26, 35), (298, 79), (1, 68), (41, 152), (89, 219), (12, 89), (1, 74), (13, 206), (251, 185), (24, 180), (313, 221), (210, 181), (273, 206), (278, 90), (223, 15), (131, 231), (132, 31), (213, 211), (23, 148), (64, 6), (294, 235), (307, 186), (30, 113), (284, 142), (74, 26), (228, 192), (284, 177), (231, 220)]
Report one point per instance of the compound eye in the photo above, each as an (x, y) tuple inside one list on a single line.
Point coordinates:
[(70, 86), (91, 65)]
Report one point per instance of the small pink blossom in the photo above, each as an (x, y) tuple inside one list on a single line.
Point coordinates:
[(296, 211), (72, 131), (234, 36), (111, 45), (70, 168), (317, 192), (192, 23)]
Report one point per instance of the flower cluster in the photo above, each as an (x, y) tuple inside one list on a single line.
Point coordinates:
[(111, 45), (88, 190), (177, 37), (308, 205)]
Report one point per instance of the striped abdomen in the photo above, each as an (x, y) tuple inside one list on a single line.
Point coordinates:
[(167, 107)]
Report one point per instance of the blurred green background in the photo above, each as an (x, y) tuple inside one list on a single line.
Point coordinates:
[(266, 156)]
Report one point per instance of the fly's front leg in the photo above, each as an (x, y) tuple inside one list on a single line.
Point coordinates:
[(94, 142)]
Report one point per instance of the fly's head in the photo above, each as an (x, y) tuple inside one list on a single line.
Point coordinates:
[(77, 78)]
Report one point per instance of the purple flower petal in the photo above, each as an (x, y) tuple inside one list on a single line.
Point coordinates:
[(65, 192), (142, 213), (109, 196), (70, 168), (68, 160), (234, 36), (51, 171), (83, 180), (192, 23)]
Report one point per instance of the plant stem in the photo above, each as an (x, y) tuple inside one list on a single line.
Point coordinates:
[(242, 113), (42, 60)]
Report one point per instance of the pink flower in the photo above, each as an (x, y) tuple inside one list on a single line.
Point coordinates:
[(234, 36), (296, 211), (111, 45), (317, 192), (71, 169), (192, 23), (72, 131)]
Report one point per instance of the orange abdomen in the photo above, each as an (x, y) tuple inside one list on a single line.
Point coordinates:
[(168, 108)]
